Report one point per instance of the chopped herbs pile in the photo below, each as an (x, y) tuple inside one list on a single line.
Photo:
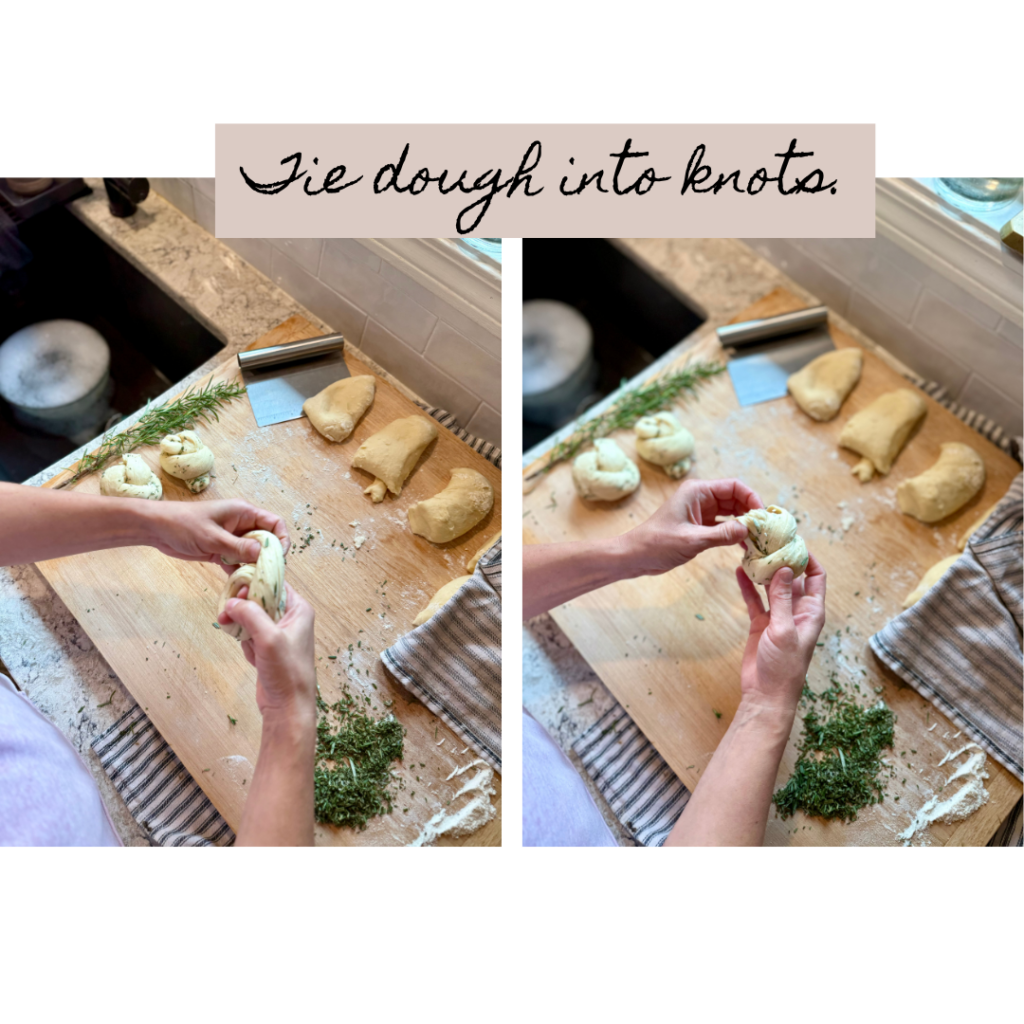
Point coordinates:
[(839, 767), (647, 398), (354, 752)]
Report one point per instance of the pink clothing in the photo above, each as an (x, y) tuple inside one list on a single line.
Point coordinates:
[(558, 810), (47, 794)]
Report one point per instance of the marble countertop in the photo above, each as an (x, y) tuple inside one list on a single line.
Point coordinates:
[(720, 277), (43, 646)]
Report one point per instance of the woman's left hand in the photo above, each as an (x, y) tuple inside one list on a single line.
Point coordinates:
[(210, 531), (685, 525)]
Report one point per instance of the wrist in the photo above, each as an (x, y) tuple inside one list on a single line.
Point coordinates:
[(140, 519), (770, 713), (293, 725), (627, 554)]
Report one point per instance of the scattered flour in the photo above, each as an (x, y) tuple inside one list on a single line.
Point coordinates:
[(473, 814), (961, 804), (237, 768)]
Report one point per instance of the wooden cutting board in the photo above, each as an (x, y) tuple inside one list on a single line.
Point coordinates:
[(673, 670), (152, 617)]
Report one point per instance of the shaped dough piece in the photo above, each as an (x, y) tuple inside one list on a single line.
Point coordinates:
[(605, 472), (391, 453), (484, 548), (134, 479), (337, 409), (455, 510), (974, 527), (440, 599), (185, 457), (880, 431), (772, 543), (664, 441), (928, 580), (955, 478), (822, 386), (265, 580)]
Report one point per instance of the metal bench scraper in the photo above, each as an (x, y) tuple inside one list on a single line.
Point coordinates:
[(764, 353), (280, 378)]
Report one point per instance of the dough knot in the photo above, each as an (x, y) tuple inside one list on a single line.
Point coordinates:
[(264, 578), (186, 457), (605, 472), (664, 441), (133, 479), (772, 543)]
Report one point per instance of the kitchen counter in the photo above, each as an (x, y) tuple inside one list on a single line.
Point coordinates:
[(42, 644), (721, 277)]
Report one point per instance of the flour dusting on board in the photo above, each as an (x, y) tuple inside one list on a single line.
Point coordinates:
[(962, 802), (473, 814), (237, 768)]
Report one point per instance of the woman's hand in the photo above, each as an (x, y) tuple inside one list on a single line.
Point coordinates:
[(782, 639), (685, 525), (209, 531), (282, 654)]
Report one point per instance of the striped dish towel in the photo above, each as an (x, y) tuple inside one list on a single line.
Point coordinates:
[(452, 663), (159, 792), (982, 424), (959, 646), (155, 785), (632, 776)]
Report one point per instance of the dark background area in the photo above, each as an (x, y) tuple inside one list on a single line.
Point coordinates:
[(74, 275), (635, 318)]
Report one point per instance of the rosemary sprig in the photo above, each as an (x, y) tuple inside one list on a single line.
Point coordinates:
[(156, 423), (633, 405)]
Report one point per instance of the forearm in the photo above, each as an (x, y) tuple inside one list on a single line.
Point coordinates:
[(730, 805), (556, 573), (37, 523), (279, 807)]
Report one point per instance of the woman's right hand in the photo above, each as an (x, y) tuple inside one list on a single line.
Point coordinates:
[(781, 641), (282, 653)]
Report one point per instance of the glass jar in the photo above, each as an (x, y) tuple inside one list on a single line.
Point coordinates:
[(979, 193)]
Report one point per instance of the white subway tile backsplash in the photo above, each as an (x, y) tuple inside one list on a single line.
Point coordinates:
[(391, 352), (468, 328), (1008, 412), (332, 308), (849, 257), (829, 288), (354, 250), (457, 356), (889, 286), (376, 306), (177, 192), (257, 251), (205, 186), (486, 423), (388, 305), (989, 355), (429, 382), (1011, 332), (304, 251), (205, 212), (911, 349)]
